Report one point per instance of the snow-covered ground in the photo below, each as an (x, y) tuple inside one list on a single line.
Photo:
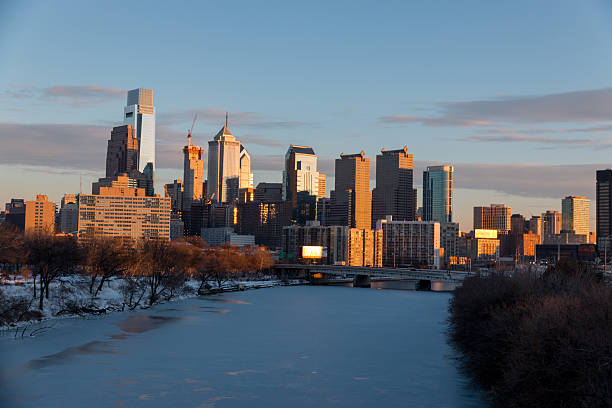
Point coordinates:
[(72, 291)]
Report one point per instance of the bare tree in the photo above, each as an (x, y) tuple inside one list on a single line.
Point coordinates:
[(106, 257)]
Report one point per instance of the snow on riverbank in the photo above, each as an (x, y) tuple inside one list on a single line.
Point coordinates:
[(69, 296)]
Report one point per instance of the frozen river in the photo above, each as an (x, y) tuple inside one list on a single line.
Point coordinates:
[(288, 346)]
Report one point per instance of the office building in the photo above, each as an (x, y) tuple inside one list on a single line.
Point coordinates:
[(575, 215), (246, 177), (225, 235), (410, 243), (125, 212), (438, 194), (551, 226), (14, 213), (322, 186), (177, 226), (300, 174), (264, 220), (449, 236), (193, 175), (483, 245), (603, 215), (268, 192), (496, 216), (174, 191), (351, 200), (223, 166), (140, 115), (69, 214), (394, 193), (535, 227), (122, 151), (40, 215)]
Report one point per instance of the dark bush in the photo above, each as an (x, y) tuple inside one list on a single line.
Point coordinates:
[(536, 342)]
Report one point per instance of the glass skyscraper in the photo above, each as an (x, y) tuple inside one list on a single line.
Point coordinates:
[(140, 114), (438, 194)]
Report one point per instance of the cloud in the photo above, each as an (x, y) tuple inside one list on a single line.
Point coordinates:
[(217, 116), (251, 139), (588, 106), (524, 179), (73, 95), (511, 138)]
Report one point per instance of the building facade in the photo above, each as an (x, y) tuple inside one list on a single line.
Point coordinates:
[(351, 200), (124, 212), (496, 216), (438, 194), (268, 192), (223, 166), (69, 214), (603, 214), (122, 151), (193, 175), (140, 114), (410, 243), (551, 226), (394, 193), (300, 174), (264, 220), (40, 215), (575, 215)]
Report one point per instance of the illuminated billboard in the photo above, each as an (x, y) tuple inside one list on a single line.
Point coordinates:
[(485, 233), (312, 252)]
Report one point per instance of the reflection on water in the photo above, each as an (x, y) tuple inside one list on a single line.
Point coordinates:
[(94, 347), (141, 323), (405, 285), (223, 300)]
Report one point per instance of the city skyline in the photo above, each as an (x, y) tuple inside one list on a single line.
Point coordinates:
[(460, 117)]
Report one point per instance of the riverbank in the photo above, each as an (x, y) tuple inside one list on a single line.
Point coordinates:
[(536, 341), (70, 297)]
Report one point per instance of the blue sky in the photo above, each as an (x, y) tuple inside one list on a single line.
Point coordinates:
[(516, 95)]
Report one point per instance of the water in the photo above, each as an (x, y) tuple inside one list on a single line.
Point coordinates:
[(288, 346)]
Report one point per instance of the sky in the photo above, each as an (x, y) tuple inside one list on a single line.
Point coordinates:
[(517, 96)]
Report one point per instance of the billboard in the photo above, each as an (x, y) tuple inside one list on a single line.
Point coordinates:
[(485, 233), (313, 252)]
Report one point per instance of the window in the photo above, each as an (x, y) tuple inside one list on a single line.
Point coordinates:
[(129, 114)]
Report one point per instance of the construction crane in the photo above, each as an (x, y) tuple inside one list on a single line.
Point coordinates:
[(195, 117)]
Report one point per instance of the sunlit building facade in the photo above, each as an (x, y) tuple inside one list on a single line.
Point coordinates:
[(140, 114), (575, 215), (496, 216), (351, 200), (223, 166), (40, 215), (438, 194)]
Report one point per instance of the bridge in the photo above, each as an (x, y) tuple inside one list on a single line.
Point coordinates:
[(362, 274)]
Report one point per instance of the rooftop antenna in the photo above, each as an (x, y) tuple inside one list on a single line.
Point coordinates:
[(195, 116), (226, 115), (80, 182)]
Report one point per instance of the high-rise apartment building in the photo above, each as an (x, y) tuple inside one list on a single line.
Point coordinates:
[(193, 175), (575, 215), (301, 174), (438, 194), (351, 200), (40, 215), (223, 166), (496, 216), (603, 217), (394, 193), (140, 114), (410, 243), (123, 211)]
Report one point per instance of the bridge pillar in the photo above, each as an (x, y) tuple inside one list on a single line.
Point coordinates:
[(423, 284), (361, 281)]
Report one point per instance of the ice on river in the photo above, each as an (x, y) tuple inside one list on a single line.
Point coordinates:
[(285, 346)]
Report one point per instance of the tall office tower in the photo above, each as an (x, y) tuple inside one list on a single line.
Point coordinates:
[(496, 217), (193, 175), (535, 226), (575, 213), (551, 226), (246, 177), (140, 114), (300, 173), (268, 192), (40, 215), (223, 166), (517, 224), (438, 194), (603, 217), (122, 151), (351, 200), (393, 194), (15, 213)]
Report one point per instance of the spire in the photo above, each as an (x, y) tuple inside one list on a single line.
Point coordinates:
[(226, 115)]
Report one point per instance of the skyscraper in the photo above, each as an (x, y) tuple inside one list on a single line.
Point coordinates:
[(193, 175), (551, 226), (394, 193), (438, 194), (246, 177), (122, 151), (40, 215), (140, 114), (496, 217), (603, 216), (351, 200), (300, 173), (575, 212), (223, 166)]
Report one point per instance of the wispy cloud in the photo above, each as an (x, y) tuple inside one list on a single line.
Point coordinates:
[(73, 95), (587, 106), (520, 138)]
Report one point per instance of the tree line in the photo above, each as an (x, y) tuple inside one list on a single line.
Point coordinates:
[(537, 341), (152, 270)]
